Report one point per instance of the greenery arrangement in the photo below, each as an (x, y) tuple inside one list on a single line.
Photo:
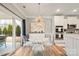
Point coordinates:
[(8, 30), (18, 31), (5, 31), (0, 31)]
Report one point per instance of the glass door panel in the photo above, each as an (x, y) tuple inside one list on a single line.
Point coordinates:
[(18, 33), (5, 36)]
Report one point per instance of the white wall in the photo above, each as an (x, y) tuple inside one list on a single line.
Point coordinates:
[(47, 22), (48, 25)]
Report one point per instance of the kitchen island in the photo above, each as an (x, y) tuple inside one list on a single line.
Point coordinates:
[(72, 44)]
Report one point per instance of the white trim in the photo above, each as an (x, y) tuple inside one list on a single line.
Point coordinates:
[(37, 16), (14, 34)]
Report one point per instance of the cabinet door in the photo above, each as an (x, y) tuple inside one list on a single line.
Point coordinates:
[(59, 20)]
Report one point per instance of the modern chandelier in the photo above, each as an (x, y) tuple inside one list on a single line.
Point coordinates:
[(39, 24), (39, 18)]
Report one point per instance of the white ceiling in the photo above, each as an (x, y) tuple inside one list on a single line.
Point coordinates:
[(5, 14), (46, 9)]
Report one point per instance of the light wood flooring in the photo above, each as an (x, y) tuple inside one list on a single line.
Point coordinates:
[(53, 50)]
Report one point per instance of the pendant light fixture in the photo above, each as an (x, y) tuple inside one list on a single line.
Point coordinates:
[(39, 18), (39, 24)]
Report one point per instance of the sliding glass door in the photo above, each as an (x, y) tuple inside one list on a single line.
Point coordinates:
[(18, 32), (10, 35), (5, 36)]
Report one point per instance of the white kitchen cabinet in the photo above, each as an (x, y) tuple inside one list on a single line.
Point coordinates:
[(59, 20), (72, 44), (73, 20)]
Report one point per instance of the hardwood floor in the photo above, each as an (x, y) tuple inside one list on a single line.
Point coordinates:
[(53, 50)]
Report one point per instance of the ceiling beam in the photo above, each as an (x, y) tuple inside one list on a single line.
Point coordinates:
[(10, 11)]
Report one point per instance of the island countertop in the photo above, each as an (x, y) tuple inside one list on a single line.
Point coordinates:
[(73, 35)]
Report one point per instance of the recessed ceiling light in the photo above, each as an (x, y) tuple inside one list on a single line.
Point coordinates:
[(58, 10), (74, 10)]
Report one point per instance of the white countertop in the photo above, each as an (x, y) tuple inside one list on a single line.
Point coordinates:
[(73, 35)]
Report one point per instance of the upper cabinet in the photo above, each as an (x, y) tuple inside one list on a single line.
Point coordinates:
[(73, 20), (63, 21), (59, 20)]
